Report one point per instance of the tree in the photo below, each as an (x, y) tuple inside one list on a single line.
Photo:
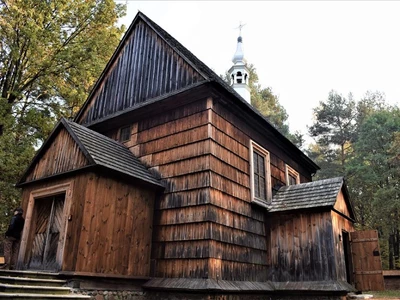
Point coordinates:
[(267, 103), (51, 53), (376, 174), (334, 124)]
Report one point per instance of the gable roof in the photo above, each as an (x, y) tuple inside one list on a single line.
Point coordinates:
[(158, 66), (99, 150), (316, 194)]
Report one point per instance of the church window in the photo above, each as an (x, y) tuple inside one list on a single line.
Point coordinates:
[(260, 174), (292, 176)]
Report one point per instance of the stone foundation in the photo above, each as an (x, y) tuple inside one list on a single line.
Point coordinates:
[(149, 295)]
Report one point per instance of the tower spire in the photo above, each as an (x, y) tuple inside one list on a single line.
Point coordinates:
[(239, 73)]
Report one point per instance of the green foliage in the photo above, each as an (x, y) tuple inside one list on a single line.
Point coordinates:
[(51, 53), (361, 140), (334, 125), (267, 103)]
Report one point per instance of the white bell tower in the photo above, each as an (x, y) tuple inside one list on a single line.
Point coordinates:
[(239, 73)]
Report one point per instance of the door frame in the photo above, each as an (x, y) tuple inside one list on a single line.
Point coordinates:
[(35, 195)]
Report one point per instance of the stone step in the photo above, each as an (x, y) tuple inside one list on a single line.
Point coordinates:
[(32, 281), (32, 289), (29, 274), (28, 296)]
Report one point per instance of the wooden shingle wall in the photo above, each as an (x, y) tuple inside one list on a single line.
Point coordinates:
[(204, 224), (63, 155), (239, 232), (175, 144)]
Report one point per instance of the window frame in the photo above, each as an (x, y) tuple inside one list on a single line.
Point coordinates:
[(254, 147), (290, 171), (129, 127)]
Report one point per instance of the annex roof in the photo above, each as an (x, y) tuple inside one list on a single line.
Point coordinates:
[(316, 194), (98, 150)]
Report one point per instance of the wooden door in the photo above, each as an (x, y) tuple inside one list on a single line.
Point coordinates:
[(46, 240), (367, 265)]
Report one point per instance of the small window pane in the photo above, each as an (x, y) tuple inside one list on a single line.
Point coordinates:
[(125, 134), (256, 186), (262, 189), (261, 165), (292, 180)]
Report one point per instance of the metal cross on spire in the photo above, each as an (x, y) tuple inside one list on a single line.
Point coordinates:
[(240, 28)]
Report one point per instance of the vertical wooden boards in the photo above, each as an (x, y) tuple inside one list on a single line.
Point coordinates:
[(109, 225), (62, 155), (116, 228), (146, 67), (341, 225), (368, 275), (301, 247)]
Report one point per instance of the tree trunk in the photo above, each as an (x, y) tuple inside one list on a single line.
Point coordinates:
[(391, 260)]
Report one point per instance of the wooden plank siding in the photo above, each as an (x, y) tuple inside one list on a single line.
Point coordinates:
[(109, 225), (302, 247), (145, 67), (203, 157), (63, 155), (340, 224), (204, 160), (230, 179)]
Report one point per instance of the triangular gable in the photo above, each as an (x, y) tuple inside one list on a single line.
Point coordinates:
[(343, 203), (148, 63), (61, 153), (72, 147)]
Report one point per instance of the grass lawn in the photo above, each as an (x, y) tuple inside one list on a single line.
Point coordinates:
[(389, 294)]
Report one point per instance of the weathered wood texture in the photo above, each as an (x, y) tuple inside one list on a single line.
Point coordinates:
[(116, 228), (146, 67), (63, 155), (368, 274), (240, 130), (175, 144), (302, 247), (341, 205), (230, 188), (109, 228), (341, 224), (203, 156)]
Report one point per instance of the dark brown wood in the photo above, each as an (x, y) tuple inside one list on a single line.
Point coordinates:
[(368, 274), (63, 155), (152, 68)]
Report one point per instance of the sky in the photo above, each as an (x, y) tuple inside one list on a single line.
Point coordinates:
[(301, 49)]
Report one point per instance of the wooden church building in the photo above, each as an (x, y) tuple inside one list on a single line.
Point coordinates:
[(169, 179)]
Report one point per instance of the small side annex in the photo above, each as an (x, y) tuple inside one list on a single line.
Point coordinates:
[(86, 211)]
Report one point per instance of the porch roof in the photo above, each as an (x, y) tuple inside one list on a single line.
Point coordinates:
[(316, 194)]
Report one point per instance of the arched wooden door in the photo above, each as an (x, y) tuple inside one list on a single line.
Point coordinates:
[(48, 222)]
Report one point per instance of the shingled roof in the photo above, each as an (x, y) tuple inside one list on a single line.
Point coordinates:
[(100, 150), (316, 194)]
